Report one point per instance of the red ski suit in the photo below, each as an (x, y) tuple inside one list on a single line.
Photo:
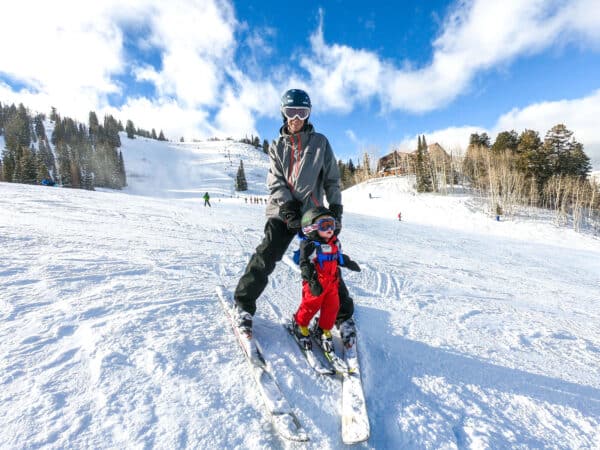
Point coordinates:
[(327, 273)]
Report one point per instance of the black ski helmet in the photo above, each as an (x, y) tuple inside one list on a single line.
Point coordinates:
[(295, 97), (311, 216)]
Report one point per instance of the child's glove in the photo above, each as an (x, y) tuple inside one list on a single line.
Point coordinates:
[(350, 265), (309, 274), (315, 287)]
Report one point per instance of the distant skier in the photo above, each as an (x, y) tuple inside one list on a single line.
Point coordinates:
[(320, 256), (399, 217), (206, 198)]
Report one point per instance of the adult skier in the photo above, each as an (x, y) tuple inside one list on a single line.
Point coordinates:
[(303, 169)]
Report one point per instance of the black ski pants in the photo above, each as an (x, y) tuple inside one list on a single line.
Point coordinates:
[(270, 251)]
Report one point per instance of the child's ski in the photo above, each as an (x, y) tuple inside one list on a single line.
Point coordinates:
[(355, 419), (284, 419), (338, 364), (310, 355)]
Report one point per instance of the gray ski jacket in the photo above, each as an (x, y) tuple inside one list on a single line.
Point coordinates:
[(303, 168)]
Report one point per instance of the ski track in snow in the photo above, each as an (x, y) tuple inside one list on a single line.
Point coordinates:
[(112, 336)]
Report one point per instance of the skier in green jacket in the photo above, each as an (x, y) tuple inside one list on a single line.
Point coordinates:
[(206, 198)]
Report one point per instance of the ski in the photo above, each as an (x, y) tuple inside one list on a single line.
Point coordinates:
[(338, 364), (282, 416), (310, 355), (355, 419)]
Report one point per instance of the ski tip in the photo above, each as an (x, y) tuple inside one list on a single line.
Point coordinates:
[(288, 427), (354, 430)]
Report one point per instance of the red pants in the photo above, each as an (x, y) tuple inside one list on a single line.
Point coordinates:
[(328, 302)]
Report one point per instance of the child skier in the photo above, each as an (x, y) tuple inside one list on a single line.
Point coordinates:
[(320, 256)]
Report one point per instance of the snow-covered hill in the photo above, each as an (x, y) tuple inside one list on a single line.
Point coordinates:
[(180, 170), (474, 333)]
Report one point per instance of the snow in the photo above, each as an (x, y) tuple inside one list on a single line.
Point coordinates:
[(474, 333)]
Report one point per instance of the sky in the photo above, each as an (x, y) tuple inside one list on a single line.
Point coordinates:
[(379, 74)]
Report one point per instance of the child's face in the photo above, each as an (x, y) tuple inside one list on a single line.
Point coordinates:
[(326, 235)]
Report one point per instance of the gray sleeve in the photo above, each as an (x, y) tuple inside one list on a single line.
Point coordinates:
[(276, 181), (331, 177)]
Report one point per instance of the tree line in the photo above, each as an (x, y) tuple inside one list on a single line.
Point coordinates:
[(524, 169), (515, 170), (75, 155)]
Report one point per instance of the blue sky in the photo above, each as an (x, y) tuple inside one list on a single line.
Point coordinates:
[(379, 73)]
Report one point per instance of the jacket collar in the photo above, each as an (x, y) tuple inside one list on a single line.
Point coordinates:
[(307, 128)]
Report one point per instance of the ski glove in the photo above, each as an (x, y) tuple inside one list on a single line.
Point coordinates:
[(290, 214), (350, 265), (309, 274), (315, 287), (337, 211)]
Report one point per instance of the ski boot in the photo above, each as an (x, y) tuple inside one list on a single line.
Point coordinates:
[(323, 338), (302, 334), (347, 332), (244, 322)]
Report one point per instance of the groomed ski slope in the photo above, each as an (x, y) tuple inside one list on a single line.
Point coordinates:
[(473, 333)]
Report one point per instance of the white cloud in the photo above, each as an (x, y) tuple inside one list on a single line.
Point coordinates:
[(579, 115), (452, 139), (476, 36), (74, 51), (176, 121)]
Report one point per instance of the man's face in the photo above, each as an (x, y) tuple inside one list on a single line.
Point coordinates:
[(295, 124)]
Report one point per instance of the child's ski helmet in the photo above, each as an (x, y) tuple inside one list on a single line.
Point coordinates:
[(311, 216)]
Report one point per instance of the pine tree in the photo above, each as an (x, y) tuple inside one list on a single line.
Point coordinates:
[(122, 174), (345, 175), (240, 179), (2, 120), (532, 159), (54, 117), (265, 147), (153, 134), (111, 130), (422, 167), (28, 167), (161, 136), (565, 154), (8, 165), (64, 163), (18, 131), (130, 129), (39, 128), (506, 140), (479, 140), (351, 167)]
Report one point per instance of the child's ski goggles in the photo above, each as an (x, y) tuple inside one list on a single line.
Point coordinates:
[(324, 224), (301, 112)]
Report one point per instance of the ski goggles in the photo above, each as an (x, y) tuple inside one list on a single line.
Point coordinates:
[(324, 224), (291, 112)]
